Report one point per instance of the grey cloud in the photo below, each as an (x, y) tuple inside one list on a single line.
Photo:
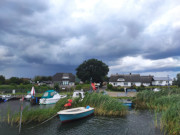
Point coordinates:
[(37, 34)]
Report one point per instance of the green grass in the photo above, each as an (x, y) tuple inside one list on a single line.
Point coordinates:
[(103, 104), (166, 101)]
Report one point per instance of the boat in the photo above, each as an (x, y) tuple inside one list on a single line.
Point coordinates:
[(156, 89), (75, 113), (78, 93), (127, 102), (6, 97), (30, 94), (50, 97)]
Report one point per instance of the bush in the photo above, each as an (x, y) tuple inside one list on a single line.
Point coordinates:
[(109, 86)]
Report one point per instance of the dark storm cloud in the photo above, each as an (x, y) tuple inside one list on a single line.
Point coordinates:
[(13, 12), (64, 34)]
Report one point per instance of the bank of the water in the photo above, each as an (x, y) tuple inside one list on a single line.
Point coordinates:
[(166, 101)]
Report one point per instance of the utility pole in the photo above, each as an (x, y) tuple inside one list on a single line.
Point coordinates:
[(168, 82)]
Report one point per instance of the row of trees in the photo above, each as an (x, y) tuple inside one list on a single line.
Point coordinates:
[(13, 80), (18, 81)]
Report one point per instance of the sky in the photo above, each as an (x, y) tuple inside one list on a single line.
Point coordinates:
[(40, 37)]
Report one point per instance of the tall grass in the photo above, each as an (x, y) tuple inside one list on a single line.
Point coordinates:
[(103, 104), (166, 101)]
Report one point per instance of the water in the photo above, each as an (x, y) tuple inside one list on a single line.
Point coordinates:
[(136, 123)]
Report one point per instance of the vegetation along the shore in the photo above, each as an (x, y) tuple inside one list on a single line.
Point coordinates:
[(103, 104), (166, 101)]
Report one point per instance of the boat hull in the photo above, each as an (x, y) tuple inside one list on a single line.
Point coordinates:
[(48, 101), (127, 104), (72, 117)]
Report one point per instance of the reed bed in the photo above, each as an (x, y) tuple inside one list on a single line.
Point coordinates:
[(103, 104), (166, 101)]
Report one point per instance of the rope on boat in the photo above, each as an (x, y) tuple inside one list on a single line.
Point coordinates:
[(43, 122)]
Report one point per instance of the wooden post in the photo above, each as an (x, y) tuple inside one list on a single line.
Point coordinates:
[(21, 115)]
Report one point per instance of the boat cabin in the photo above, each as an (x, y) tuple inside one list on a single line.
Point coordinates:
[(49, 94), (78, 94)]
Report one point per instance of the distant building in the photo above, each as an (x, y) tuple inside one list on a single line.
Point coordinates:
[(48, 83), (27, 79), (127, 80), (64, 79), (161, 81)]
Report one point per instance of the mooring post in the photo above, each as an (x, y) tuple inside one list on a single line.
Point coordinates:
[(21, 115)]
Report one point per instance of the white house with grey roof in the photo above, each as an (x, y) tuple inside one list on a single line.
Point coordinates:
[(161, 81), (127, 80)]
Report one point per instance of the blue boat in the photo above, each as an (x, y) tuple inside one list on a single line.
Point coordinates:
[(127, 104), (75, 113)]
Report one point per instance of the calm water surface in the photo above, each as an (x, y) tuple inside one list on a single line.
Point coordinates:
[(136, 123)]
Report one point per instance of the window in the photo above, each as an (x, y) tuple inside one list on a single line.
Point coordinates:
[(52, 93), (120, 79), (125, 84), (65, 77), (65, 82), (45, 94), (159, 82)]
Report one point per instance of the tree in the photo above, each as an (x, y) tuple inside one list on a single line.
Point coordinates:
[(2, 79), (178, 79), (92, 69), (14, 80)]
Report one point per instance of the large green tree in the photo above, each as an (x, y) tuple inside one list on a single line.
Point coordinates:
[(92, 69)]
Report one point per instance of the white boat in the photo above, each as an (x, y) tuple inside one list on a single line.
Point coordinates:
[(156, 89), (50, 97), (30, 94), (78, 93), (6, 97), (75, 113)]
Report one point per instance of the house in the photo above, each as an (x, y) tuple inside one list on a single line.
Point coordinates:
[(48, 83), (64, 79), (146, 80), (135, 79), (161, 81), (125, 80)]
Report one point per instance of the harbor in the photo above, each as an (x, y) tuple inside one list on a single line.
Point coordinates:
[(136, 123)]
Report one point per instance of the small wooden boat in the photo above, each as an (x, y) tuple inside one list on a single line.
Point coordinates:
[(75, 113)]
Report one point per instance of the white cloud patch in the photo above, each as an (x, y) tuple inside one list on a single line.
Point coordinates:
[(138, 63)]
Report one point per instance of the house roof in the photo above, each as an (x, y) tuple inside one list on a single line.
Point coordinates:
[(63, 76), (146, 79), (162, 79), (127, 78)]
